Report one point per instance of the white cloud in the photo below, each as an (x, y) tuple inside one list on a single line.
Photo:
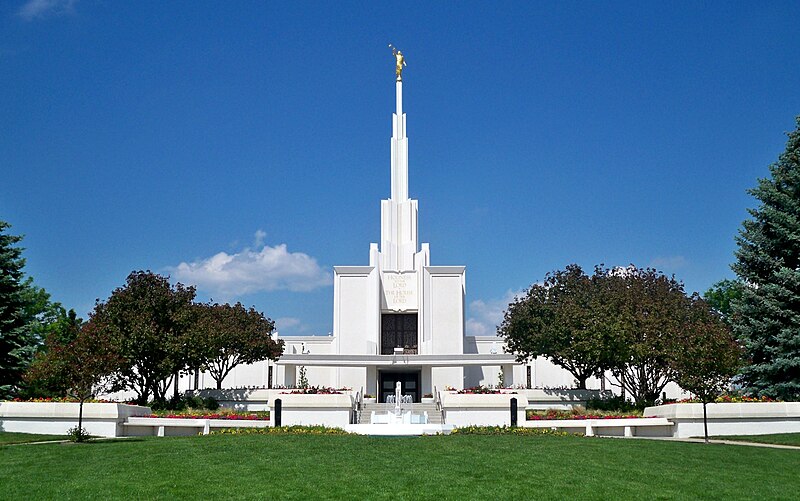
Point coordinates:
[(669, 262), (33, 9), (260, 238), (485, 316), (286, 322), (263, 268)]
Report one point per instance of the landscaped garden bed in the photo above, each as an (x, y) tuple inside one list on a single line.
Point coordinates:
[(315, 390), (220, 414), (578, 414)]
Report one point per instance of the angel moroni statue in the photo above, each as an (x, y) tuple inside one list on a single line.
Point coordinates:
[(401, 61)]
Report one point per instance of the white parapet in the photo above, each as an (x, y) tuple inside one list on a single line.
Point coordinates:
[(560, 399), (746, 418), (619, 427), (161, 427), (333, 411), (482, 409), (55, 418)]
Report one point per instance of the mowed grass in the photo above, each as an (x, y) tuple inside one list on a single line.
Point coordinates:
[(776, 438), (23, 438), (356, 467)]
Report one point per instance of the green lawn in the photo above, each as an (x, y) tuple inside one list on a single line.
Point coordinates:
[(355, 467), (777, 438), (21, 438)]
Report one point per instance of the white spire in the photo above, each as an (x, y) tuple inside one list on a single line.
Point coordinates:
[(399, 213), (399, 149)]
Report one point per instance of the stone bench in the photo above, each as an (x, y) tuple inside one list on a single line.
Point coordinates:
[(143, 426), (592, 426)]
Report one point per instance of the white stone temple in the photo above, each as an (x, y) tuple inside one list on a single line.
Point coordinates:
[(397, 318)]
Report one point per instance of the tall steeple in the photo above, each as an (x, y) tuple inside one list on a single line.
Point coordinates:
[(399, 149), (399, 213)]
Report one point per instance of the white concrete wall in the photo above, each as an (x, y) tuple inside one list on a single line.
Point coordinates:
[(104, 420), (324, 410), (444, 305), (482, 410), (356, 302), (749, 418), (442, 377)]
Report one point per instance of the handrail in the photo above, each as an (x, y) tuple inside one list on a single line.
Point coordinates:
[(437, 399), (356, 410)]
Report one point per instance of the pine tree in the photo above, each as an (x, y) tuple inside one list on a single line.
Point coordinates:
[(766, 318), (14, 335)]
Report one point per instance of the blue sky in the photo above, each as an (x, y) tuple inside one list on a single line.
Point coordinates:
[(245, 145)]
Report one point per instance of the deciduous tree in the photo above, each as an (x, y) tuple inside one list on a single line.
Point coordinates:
[(566, 319), (722, 295), (650, 310), (147, 321), (84, 367), (224, 336), (709, 356)]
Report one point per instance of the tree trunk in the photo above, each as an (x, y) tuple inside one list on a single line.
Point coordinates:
[(705, 420), (79, 435), (219, 383), (581, 381)]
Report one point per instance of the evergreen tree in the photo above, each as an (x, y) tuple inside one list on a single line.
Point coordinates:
[(15, 337), (766, 318)]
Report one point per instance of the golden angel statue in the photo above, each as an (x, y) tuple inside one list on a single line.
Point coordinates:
[(401, 61)]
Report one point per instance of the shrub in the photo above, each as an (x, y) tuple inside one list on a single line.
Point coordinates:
[(282, 430), (614, 404), (182, 402), (506, 430), (77, 434)]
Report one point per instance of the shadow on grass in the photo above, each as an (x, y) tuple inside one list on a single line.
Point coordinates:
[(99, 441)]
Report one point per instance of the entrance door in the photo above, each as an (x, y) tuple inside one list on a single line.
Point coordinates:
[(399, 330), (409, 384)]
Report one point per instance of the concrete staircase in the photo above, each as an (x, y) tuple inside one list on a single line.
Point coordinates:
[(434, 416)]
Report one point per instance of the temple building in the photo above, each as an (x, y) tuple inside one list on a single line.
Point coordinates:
[(398, 318)]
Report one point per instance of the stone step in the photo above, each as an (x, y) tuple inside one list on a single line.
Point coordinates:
[(434, 416)]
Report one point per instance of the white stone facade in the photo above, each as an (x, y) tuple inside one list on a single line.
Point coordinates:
[(399, 285)]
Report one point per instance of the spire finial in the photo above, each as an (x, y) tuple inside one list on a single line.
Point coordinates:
[(401, 61)]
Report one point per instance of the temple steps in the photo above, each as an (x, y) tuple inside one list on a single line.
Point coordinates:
[(434, 416)]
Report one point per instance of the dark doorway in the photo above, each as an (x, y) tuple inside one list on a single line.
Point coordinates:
[(409, 384), (399, 330)]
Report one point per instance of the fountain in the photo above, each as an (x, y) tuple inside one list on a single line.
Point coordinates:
[(397, 422)]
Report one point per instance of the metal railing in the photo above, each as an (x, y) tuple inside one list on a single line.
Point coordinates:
[(437, 399), (358, 402)]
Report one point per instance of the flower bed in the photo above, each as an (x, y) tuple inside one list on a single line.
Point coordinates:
[(728, 399), (507, 430), (229, 415), (482, 390), (565, 415), (282, 430), (315, 390), (70, 400)]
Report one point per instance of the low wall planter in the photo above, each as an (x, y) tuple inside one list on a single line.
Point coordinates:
[(745, 418), (612, 427), (482, 409), (243, 399), (332, 410), (101, 419), (543, 399), (148, 426)]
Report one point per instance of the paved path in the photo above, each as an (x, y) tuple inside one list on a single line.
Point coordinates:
[(724, 442)]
